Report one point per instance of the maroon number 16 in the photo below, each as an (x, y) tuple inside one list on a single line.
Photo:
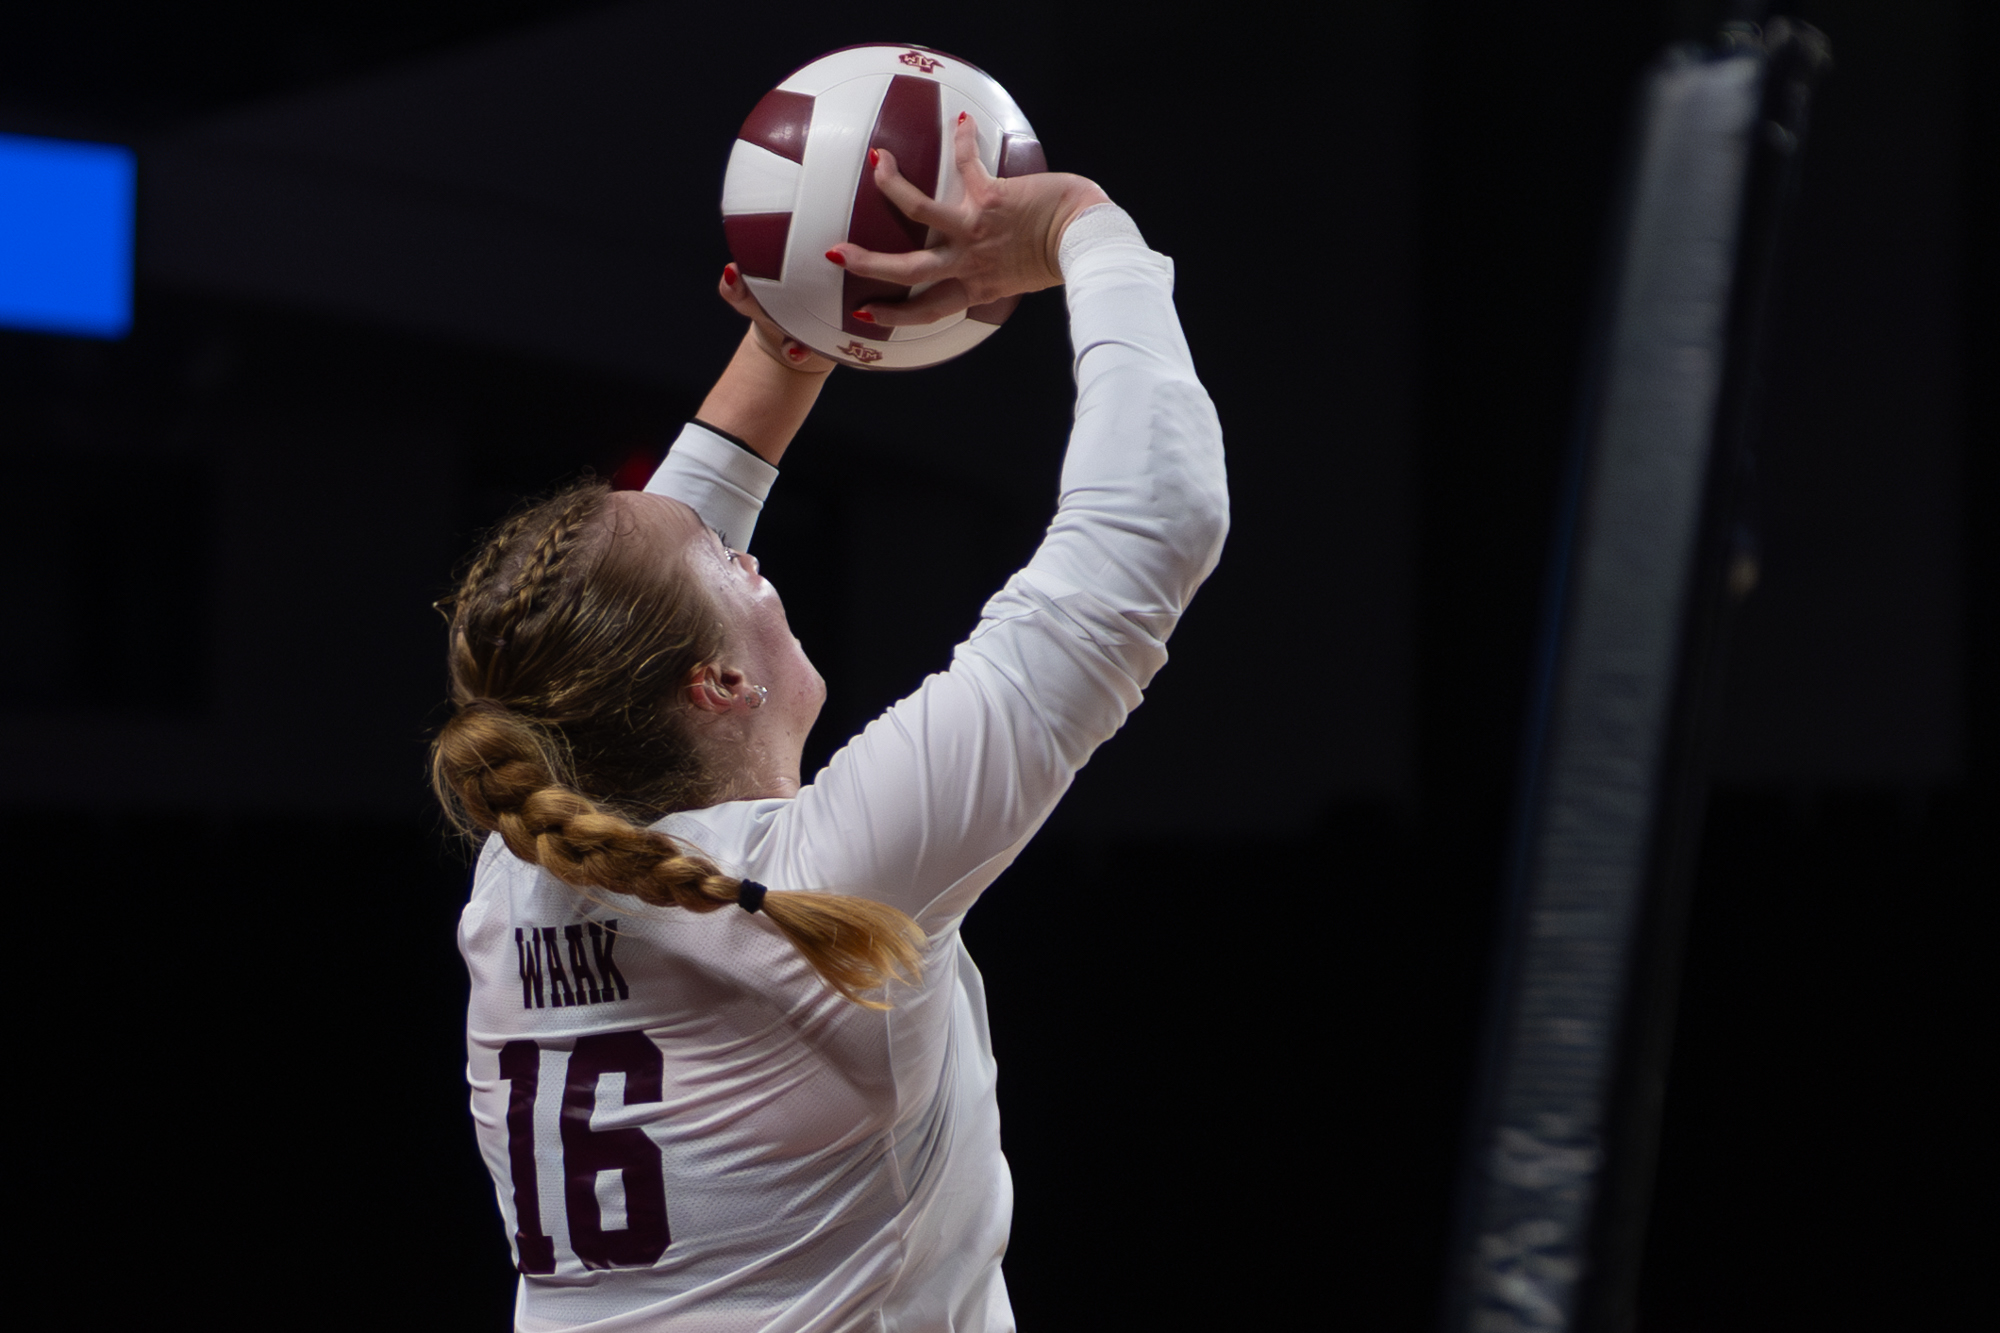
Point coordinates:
[(586, 1152)]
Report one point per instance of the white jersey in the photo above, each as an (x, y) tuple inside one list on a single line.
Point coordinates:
[(687, 1129)]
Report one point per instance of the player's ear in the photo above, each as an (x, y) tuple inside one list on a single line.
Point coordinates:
[(716, 689)]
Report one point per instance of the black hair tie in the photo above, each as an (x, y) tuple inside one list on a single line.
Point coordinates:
[(750, 894)]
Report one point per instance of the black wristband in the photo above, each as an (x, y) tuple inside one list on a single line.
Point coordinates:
[(750, 894), (736, 440)]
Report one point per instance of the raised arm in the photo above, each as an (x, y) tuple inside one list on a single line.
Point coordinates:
[(769, 386), (928, 804), (724, 462), (931, 801)]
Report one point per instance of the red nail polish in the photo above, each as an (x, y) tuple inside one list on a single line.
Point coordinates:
[(874, 157), (796, 353), (729, 274), (961, 115), (864, 317), (837, 258)]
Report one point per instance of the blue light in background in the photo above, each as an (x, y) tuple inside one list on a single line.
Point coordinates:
[(66, 236)]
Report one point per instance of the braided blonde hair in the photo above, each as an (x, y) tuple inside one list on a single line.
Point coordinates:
[(566, 662)]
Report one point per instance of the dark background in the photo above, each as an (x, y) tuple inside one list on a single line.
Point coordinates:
[(401, 264)]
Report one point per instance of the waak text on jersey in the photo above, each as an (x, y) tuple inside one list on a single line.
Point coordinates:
[(569, 965)]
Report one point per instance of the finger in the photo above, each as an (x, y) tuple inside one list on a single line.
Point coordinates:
[(788, 352), (965, 148), (907, 269), (773, 341), (736, 290), (801, 357), (746, 305), (947, 298), (916, 205)]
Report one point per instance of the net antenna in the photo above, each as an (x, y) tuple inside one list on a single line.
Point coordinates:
[(1648, 555)]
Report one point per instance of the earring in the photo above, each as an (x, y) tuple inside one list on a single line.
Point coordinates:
[(756, 700)]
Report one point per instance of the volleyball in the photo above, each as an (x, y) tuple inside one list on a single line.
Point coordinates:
[(798, 184)]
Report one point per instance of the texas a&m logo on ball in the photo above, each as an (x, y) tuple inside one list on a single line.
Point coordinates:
[(798, 184)]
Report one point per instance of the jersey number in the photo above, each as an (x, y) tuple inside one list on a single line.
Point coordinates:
[(586, 1152)]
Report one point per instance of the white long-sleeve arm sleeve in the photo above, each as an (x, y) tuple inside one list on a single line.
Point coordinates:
[(720, 480), (932, 800)]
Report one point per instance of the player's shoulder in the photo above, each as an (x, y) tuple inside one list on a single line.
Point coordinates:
[(738, 837)]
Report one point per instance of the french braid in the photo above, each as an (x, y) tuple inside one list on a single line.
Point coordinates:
[(563, 677), (543, 567)]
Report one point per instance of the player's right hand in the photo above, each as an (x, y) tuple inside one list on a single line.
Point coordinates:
[(787, 351)]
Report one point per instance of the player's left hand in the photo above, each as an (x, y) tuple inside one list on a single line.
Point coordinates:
[(787, 351), (1000, 240)]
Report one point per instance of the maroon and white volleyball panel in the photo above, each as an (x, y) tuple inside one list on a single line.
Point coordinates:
[(796, 187)]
